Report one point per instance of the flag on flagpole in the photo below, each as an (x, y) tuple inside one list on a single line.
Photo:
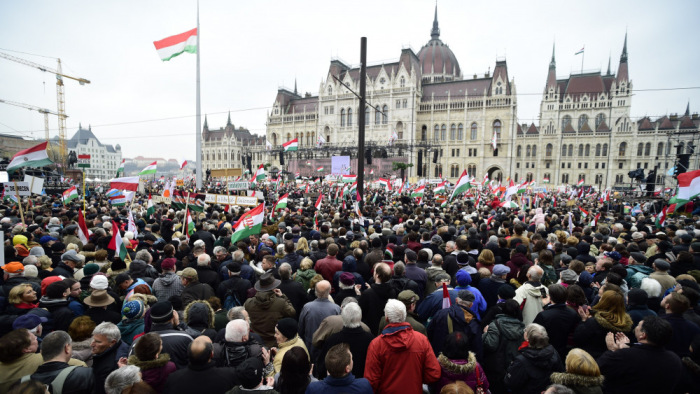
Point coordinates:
[(131, 224), (319, 169), (175, 45), (149, 169), (36, 156), (130, 183), (349, 178), (661, 219), (259, 174), (268, 145), (446, 302), (116, 243), (189, 224), (317, 205), (249, 224), (83, 232), (494, 140), (584, 213), (441, 188), (183, 163), (462, 185), (281, 203), (150, 208), (120, 170), (418, 192), (320, 141), (292, 145), (580, 51), (580, 182)]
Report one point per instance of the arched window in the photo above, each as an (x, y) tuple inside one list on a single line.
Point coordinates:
[(571, 149), (460, 132), (516, 177), (424, 133), (580, 150), (342, 117), (274, 139), (471, 170), (330, 90), (582, 177), (660, 149), (599, 179), (623, 149), (349, 116), (519, 151), (563, 150), (548, 150), (438, 170), (681, 146), (640, 149), (647, 149), (588, 150), (528, 150), (534, 150), (437, 133), (218, 155), (565, 121), (473, 133), (377, 117), (600, 118), (582, 120), (443, 131), (453, 132), (225, 155), (385, 115), (497, 128), (367, 115), (605, 149), (597, 149), (402, 82)]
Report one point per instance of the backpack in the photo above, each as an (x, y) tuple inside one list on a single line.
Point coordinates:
[(58, 381), (231, 300)]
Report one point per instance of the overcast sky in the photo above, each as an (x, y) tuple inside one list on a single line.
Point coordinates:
[(250, 48)]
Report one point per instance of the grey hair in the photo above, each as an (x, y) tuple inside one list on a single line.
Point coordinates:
[(314, 245), (109, 330), (238, 256), (536, 336), (218, 249), (651, 286), (236, 329), (535, 273), (236, 313), (280, 248), (144, 255), (122, 378), (395, 311), (30, 260), (348, 300), (285, 271), (203, 260), (352, 315), (559, 389), (451, 244)]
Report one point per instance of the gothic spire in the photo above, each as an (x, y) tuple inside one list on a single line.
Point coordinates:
[(435, 33), (623, 57), (609, 58), (687, 109), (205, 123), (228, 122), (553, 63)]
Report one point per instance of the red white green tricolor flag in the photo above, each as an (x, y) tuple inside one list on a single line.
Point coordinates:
[(462, 185), (584, 213), (259, 174), (319, 169), (291, 145), (281, 203), (580, 182), (688, 187), (189, 224), (249, 224), (116, 243), (149, 169), (173, 46), (151, 209), (120, 170), (418, 192), (70, 194), (36, 156), (440, 188), (384, 182), (349, 178), (318, 202)]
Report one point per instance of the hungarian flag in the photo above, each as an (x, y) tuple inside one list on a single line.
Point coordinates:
[(259, 174), (688, 187), (120, 170), (150, 209), (522, 188), (580, 182), (249, 224), (189, 224), (118, 201), (83, 232), (441, 188), (70, 194), (149, 169), (183, 163), (446, 303), (595, 219), (116, 243), (281, 203), (545, 180), (319, 169), (661, 219), (349, 178), (371, 172), (389, 252), (317, 205), (418, 192), (131, 224), (462, 185), (385, 183), (584, 213), (173, 46), (36, 156), (292, 145)]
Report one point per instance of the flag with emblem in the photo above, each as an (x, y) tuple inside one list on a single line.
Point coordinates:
[(249, 224), (70, 194), (36, 156)]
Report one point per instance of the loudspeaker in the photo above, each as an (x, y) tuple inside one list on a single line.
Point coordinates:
[(281, 158), (420, 163), (435, 155), (368, 155)]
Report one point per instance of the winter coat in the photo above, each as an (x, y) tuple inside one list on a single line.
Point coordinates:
[(501, 342), (168, 285), (531, 294), (141, 269), (304, 277), (397, 345), (460, 370), (155, 372), (489, 289), (530, 371), (80, 380), (579, 384), (372, 302), (517, 261), (106, 362), (129, 329), (201, 379), (691, 376), (463, 320), (327, 267), (639, 312), (232, 354), (293, 259), (208, 275), (295, 293), (313, 314), (175, 343), (640, 369), (433, 303), (82, 351), (357, 339), (199, 318), (683, 333), (196, 291), (265, 310), (283, 347), (61, 314), (560, 322), (235, 285), (348, 384), (590, 335)]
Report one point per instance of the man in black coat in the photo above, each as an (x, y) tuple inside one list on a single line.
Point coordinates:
[(373, 300), (644, 367), (205, 272), (56, 351), (292, 289), (107, 348), (201, 374), (206, 236), (559, 320), (166, 323), (354, 335), (235, 285)]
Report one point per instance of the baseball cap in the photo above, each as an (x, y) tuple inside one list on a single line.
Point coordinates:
[(188, 273), (408, 297), (14, 267), (28, 321)]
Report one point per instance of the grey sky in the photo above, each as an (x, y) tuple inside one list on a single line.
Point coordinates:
[(249, 49)]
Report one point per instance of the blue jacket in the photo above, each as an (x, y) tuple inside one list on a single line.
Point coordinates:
[(347, 384), (433, 303), (464, 320)]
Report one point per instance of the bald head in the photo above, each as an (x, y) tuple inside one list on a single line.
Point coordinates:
[(201, 350), (323, 289)]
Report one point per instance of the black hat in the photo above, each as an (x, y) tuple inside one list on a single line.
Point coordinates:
[(506, 292), (288, 327), (250, 372), (267, 282), (161, 312)]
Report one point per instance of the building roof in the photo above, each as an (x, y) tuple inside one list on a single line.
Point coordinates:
[(471, 87), (436, 58), (532, 130), (82, 136), (645, 124)]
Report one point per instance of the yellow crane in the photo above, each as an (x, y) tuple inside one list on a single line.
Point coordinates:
[(60, 96), (44, 111)]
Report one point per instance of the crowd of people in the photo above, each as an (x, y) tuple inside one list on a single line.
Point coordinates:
[(399, 296)]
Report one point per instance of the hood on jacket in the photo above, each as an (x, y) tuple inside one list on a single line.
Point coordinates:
[(138, 267), (533, 289), (544, 358), (263, 299), (570, 379), (162, 359), (398, 335), (50, 303), (583, 248), (461, 314), (169, 278), (458, 367), (538, 211), (199, 314), (510, 328)]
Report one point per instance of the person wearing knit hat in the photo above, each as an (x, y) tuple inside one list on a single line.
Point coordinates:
[(132, 323), (99, 282), (22, 250), (37, 251), (286, 335), (19, 240)]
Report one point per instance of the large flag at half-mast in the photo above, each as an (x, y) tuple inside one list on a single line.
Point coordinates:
[(249, 224), (36, 156), (116, 243), (462, 185), (149, 169), (173, 46)]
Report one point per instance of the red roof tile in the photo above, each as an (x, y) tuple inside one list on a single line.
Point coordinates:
[(645, 124)]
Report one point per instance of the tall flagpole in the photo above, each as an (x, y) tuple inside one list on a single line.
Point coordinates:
[(198, 137)]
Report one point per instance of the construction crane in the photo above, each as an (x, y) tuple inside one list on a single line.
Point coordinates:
[(60, 97), (44, 111)]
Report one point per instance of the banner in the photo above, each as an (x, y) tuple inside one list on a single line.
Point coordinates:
[(340, 165), (239, 185), (196, 202)]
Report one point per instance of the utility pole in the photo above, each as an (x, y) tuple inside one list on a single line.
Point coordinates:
[(361, 122)]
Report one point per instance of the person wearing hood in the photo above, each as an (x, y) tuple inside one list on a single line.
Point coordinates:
[(608, 315), (501, 339), (155, 365), (397, 345), (168, 284), (55, 300), (539, 217), (458, 317), (349, 266), (458, 363), (267, 307), (464, 280), (141, 267), (530, 371), (518, 259), (531, 294), (132, 323), (582, 374), (199, 318), (372, 300)]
